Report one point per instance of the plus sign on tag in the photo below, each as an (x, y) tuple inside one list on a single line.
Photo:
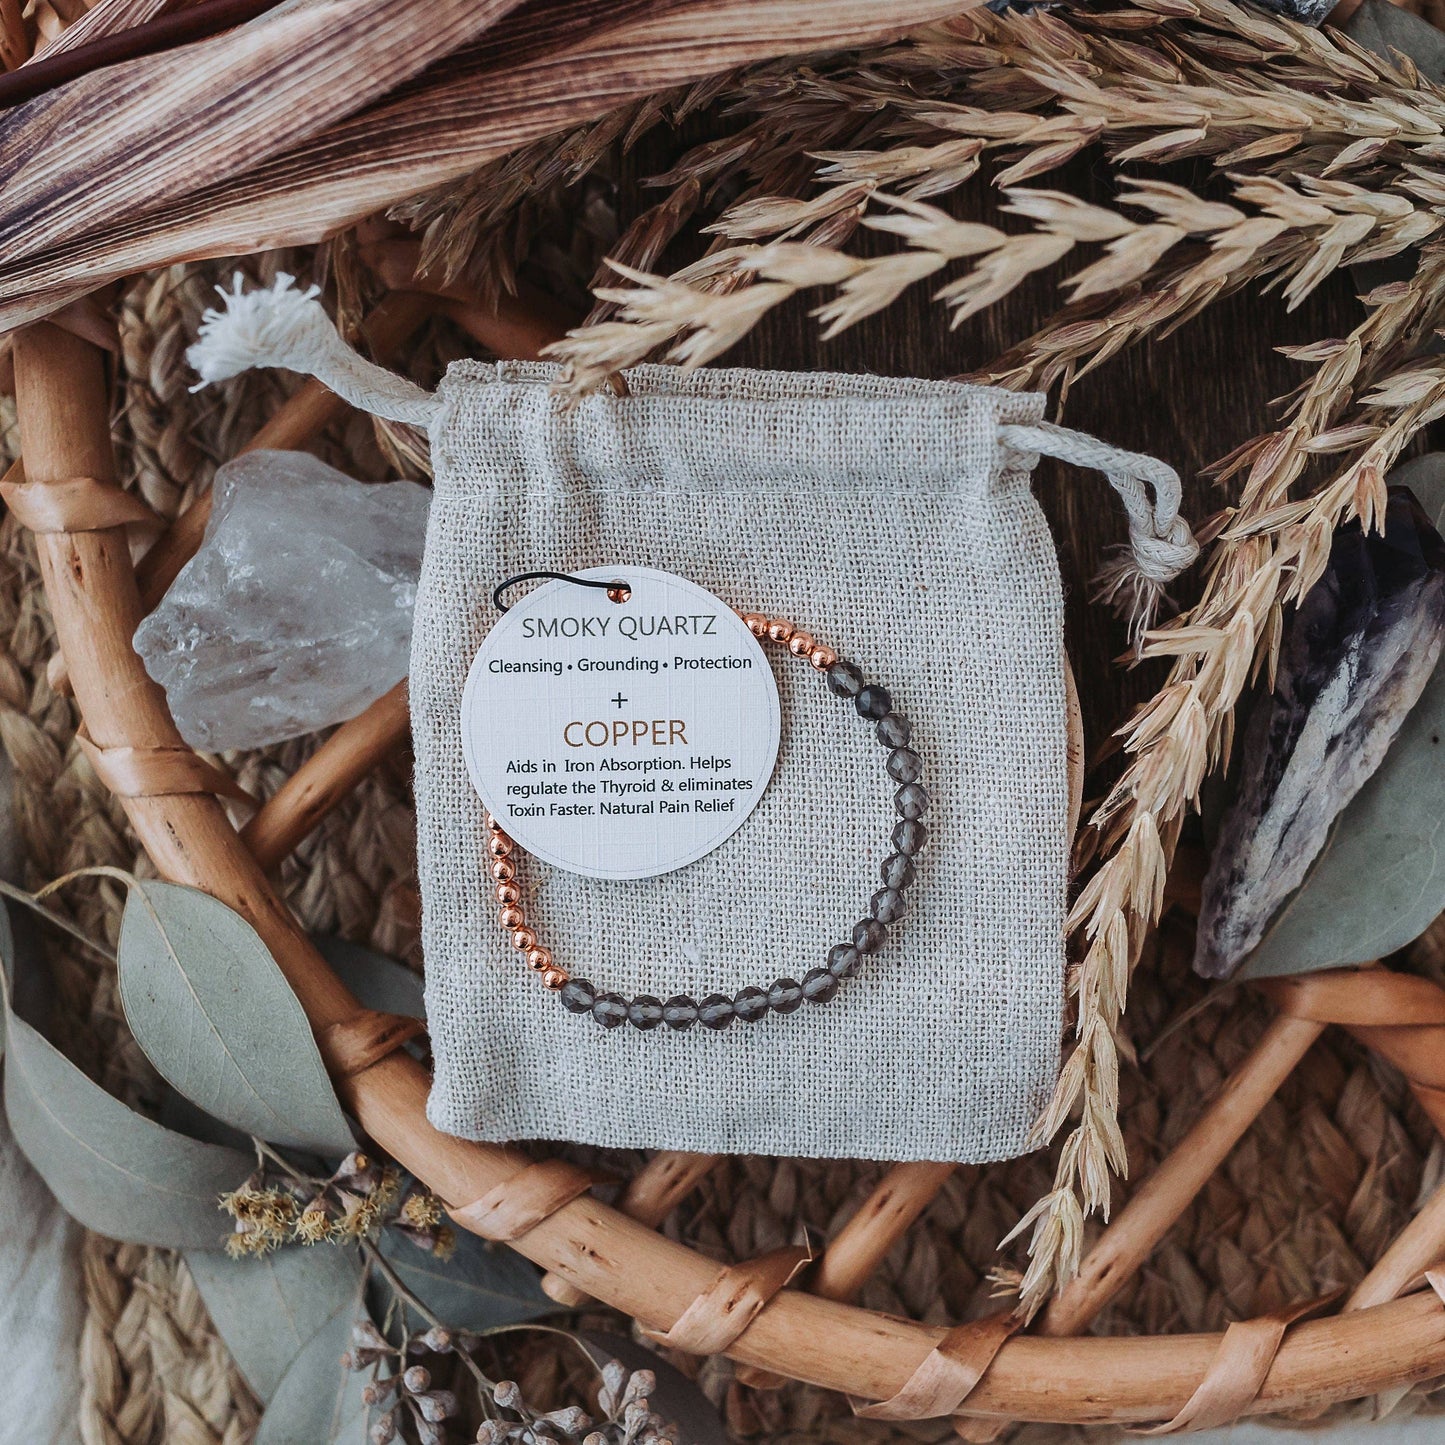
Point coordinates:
[(620, 738)]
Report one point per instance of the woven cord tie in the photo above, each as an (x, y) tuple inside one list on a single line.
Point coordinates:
[(1238, 1370), (1161, 545), (518, 1205), (289, 328), (366, 1038), (948, 1374), (166, 772), (76, 504), (738, 1294)]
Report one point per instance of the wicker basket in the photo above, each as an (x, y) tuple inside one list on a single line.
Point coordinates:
[(983, 1373)]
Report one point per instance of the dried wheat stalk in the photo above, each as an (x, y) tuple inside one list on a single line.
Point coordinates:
[(1326, 157)]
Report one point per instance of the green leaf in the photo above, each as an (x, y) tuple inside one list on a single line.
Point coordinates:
[(267, 1309), (480, 1286), (1379, 881), (114, 1170), (377, 981), (318, 1401), (214, 1013)]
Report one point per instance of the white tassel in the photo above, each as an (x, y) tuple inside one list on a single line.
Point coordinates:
[(1161, 546), (288, 328)]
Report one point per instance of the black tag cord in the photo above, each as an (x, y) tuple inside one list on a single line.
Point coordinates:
[(616, 586)]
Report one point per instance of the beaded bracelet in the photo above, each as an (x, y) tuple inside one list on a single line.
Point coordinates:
[(784, 995)]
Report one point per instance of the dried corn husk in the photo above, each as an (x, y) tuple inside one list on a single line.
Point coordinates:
[(84, 168)]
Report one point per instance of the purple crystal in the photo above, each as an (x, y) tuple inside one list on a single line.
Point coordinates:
[(1355, 655)]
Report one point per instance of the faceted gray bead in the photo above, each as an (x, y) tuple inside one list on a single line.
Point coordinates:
[(644, 1012), (577, 996), (785, 995), (873, 702), (888, 905), (843, 960), (894, 730), (609, 1009), (715, 1011), (750, 1004), (909, 836), (898, 871), (679, 1012), (911, 800), (819, 985), (869, 935), (904, 765), (844, 679)]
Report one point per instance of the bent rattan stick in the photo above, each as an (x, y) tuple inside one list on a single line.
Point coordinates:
[(654, 1192), (91, 589), (903, 1193), (326, 777), (1165, 1194)]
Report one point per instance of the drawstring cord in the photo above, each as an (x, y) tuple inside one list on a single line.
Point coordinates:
[(1161, 546), (289, 328)]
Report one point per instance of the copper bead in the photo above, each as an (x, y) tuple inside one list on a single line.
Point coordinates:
[(503, 870), (780, 629), (539, 959), (822, 657), (618, 594), (508, 893), (756, 623), (523, 939), (800, 644), (555, 978), (511, 918), (499, 845)]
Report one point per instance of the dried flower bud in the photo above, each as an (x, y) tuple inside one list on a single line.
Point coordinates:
[(571, 1419), (426, 1432), (417, 1379), (596, 1437), (507, 1394), (438, 1339), (639, 1386), (437, 1405), (383, 1429), (491, 1432), (379, 1391), (364, 1333), (614, 1381)]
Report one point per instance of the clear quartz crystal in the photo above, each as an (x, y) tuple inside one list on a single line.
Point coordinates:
[(296, 611)]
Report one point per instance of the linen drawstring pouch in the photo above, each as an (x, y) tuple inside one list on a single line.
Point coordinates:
[(893, 518)]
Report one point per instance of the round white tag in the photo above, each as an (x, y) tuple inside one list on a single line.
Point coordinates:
[(620, 739)]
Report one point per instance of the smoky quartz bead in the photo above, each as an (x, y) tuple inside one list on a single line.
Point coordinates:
[(904, 765), (715, 1011), (843, 960), (750, 1004), (609, 1009), (644, 1012), (577, 996), (844, 679), (785, 995), (888, 905), (898, 871), (873, 702), (679, 1012), (911, 800), (909, 836), (894, 730), (869, 935), (819, 985)]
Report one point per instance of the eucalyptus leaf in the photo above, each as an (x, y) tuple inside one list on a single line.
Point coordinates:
[(114, 1170), (268, 1308), (378, 982), (481, 1285), (676, 1399), (318, 1401), (213, 1012), (1379, 881)]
